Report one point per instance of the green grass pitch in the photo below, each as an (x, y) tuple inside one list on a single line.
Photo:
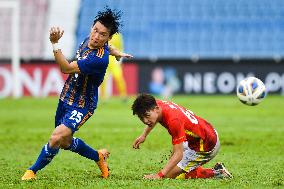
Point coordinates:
[(252, 146)]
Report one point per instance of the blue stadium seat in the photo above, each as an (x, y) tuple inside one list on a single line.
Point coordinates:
[(185, 28)]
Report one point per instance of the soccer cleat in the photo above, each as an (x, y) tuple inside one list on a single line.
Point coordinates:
[(29, 175), (102, 163), (221, 171), (218, 166)]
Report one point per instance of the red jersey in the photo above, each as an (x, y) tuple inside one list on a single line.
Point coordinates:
[(183, 125)]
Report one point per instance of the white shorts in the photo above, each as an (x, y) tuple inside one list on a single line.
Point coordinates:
[(192, 159)]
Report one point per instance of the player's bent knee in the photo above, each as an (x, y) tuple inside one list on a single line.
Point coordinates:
[(176, 171), (54, 141), (65, 144)]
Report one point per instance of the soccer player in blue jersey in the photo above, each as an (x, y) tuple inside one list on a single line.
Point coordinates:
[(79, 96)]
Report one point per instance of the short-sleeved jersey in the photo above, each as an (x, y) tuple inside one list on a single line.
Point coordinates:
[(184, 125), (81, 90)]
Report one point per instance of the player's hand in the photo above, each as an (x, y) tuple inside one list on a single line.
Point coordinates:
[(123, 55), (55, 33), (138, 141), (152, 176)]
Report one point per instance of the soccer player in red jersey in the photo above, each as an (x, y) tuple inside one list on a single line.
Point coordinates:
[(195, 141)]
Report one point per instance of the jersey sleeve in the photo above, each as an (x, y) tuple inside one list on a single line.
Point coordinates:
[(177, 131), (92, 64)]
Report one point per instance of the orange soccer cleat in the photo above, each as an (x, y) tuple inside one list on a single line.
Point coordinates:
[(29, 175), (102, 163)]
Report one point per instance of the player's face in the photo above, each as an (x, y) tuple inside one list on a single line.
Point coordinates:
[(99, 35), (151, 117)]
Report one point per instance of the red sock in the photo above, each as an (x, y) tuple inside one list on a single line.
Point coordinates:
[(200, 172)]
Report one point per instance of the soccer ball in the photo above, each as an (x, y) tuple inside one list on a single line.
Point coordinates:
[(251, 91)]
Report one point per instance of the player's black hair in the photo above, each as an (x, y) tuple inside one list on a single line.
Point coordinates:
[(110, 19), (142, 104)]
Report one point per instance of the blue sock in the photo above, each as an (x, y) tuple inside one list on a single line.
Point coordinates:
[(44, 158), (78, 146)]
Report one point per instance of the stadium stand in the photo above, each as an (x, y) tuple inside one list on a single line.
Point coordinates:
[(157, 29), (32, 26), (189, 28)]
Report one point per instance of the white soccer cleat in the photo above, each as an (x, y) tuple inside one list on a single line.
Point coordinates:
[(220, 171)]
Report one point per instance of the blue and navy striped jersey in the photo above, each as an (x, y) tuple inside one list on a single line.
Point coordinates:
[(81, 90)]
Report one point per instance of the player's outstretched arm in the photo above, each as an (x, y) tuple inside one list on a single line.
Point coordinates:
[(55, 33), (141, 138), (118, 55)]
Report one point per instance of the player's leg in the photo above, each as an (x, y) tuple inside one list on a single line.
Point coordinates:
[(192, 161), (120, 82), (200, 172), (60, 134), (80, 147), (48, 152), (219, 171), (192, 164), (189, 166), (176, 171), (117, 74), (103, 86), (77, 145), (195, 170), (46, 155)]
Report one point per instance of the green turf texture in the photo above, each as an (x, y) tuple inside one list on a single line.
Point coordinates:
[(252, 146)]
